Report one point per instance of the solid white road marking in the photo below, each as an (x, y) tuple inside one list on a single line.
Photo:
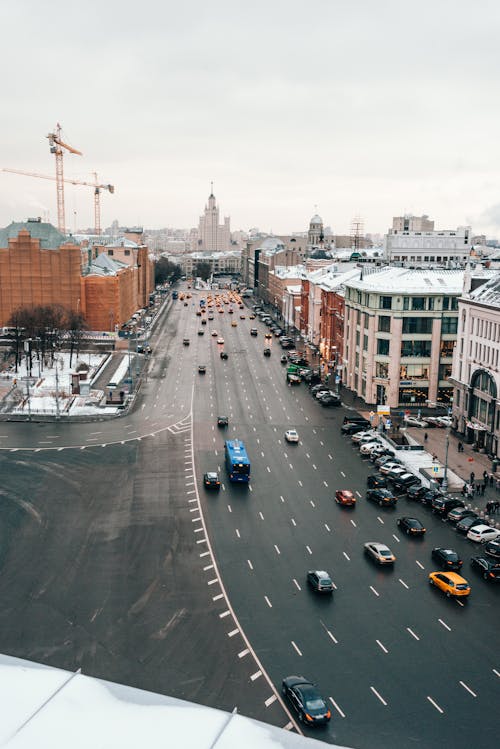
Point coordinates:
[(435, 705), (381, 646), (270, 700), (379, 696), (213, 581), (224, 614), (233, 632), (256, 675), (296, 648), (208, 567)]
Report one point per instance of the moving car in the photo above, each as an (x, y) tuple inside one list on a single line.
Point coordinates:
[(450, 583), (412, 421), (376, 481), (234, 324), (267, 352), (305, 699), (291, 435), (223, 355), (345, 497), (329, 400), (202, 368), (382, 497), (253, 331), (185, 342), (492, 549), (482, 533), (268, 335), (320, 581), (214, 334), (201, 332), (489, 569), (411, 526), (352, 428), (220, 340), (211, 480), (446, 558), (222, 421), (379, 552), (283, 358)]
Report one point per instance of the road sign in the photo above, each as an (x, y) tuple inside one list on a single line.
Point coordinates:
[(384, 410), (435, 469)]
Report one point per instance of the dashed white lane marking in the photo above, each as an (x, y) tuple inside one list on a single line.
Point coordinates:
[(229, 508), (337, 708), (238, 533), (404, 584), (326, 484), (444, 625), (342, 473), (346, 556), (467, 688), (497, 673), (300, 483), (321, 443), (261, 515), (330, 459), (381, 646), (312, 503), (374, 591), (291, 466), (270, 700), (296, 648), (314, 467), (327, 528), (380, 520), (256, 675), (293, 522), (277, 550), (359, 495), (296, 584), (282, 498), (353, 522), (419, 564), (379, 696), (413, 633), (435, 704), (268, 602), (250, 564), (268, 469), (396, 538), (309, 549)]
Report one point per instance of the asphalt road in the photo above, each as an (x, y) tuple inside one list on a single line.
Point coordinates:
[(106, 565)]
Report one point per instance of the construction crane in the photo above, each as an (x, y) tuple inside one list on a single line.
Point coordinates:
[(57, 147), (97, 191)]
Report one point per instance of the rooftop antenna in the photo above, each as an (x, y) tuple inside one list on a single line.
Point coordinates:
[(211, 189)]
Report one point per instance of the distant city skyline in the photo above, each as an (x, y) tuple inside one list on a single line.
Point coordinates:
[(290, 109)]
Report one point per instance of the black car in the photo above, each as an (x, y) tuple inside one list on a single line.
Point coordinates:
[(222, 421), (489, 569), (446, 558), (283, 358), (305, 699), (411, 526), (267, 352), (416, 492), (352, 428), (315, 389), (383, 497), (376, 481), (329, 400), (403, 482), (357, 420), (223, 355), (202, 369), (459, 513), (492, 549), (320, 581), (201, 332), (464, 525), (443, 505), (429, 497), (211, 480), (254, 331)]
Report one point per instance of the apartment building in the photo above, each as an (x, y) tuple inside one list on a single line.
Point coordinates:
[(412, 240)]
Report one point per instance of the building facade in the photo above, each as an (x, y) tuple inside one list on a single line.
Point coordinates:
[(476, 364), (400, 332), (212, 236), (413, 240)]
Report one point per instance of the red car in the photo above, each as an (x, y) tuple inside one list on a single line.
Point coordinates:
[(345, 497)]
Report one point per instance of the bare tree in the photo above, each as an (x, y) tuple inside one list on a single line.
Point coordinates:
[(75, 325)]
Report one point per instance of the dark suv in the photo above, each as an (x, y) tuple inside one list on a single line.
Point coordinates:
[(352, 428), (443, 505), (383, 497)]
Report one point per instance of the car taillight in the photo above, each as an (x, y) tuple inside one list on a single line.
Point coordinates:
[(328, 714), (308, 717)]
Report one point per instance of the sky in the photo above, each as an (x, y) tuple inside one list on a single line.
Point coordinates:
[(342, 107)]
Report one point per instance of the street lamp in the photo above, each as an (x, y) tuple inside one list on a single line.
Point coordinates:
[(444, 484)]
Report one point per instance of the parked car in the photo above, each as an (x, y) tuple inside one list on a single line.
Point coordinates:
[(383, 497), (489, 569), (385, 459), (379, 552), (329, 400), (447, 559), (396, 472), (416, 492), (459, 513), (320, 581), (429, 497), (482, 533), (443, 505), (450, 583), (352, 419), (352, 428), (411, 526), (371, 434), (403, 482), (492, 549), (412, 421), (366, 448), (388, 466), (464, 525), (376, 481), (305, 699)]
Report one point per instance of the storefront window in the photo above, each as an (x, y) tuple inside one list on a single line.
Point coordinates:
[(408, 396)]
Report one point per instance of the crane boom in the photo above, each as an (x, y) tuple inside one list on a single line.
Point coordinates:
[(56, 147)]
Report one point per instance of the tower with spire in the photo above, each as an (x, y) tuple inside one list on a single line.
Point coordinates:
[(212, 236)]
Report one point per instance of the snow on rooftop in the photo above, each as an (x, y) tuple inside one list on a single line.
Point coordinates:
[(402, 280)]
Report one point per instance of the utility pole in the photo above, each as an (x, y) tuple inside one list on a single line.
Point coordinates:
[(58, 413)]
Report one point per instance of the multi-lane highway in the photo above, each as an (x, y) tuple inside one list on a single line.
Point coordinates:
[(115, 559)]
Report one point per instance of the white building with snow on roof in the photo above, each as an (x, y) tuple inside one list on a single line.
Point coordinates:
[(476, 363), (414, 241), (400, 332)]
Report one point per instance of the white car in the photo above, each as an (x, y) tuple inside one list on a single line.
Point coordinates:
[(386, 467), (367, 438), (291, 435), (220, 340), (214, 333), (367, 447), (483, 533), (379, 552), (412, 421), (359, 435)]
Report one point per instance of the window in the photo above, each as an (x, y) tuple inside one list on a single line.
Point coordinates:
[(416, 348), (446, 348), (365, 343), (418, 303), (414, 372), (384, 324), (111, 252), (127, 253), (430, 303), (382, 370), (383, 347), (386, 302), (417, 325), (444, 371), (449, 325), (357, 338), (406, 302)]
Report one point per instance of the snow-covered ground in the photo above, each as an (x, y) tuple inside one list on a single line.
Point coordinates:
[(48, 390)]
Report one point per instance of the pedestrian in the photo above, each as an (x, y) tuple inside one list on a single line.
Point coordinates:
[(489, 506), (426, 437), (477, 490), (497, 485), (491, 479), (472, 477), (483, 487), (463, 490), (485, 475), (497, 506), (434, 458), (470, 491)]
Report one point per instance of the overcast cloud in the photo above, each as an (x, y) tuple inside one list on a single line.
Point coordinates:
[(356, 106)]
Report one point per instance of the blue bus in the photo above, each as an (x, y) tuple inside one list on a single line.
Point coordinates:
[(237, 463)]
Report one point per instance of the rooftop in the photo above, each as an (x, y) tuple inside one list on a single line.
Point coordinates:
[(402, 280), (489, 292), (50, 237)]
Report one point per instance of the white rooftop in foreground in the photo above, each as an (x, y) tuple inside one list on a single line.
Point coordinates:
[(48, 708)]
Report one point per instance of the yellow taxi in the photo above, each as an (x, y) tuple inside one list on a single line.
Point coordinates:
[(450, 583)]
